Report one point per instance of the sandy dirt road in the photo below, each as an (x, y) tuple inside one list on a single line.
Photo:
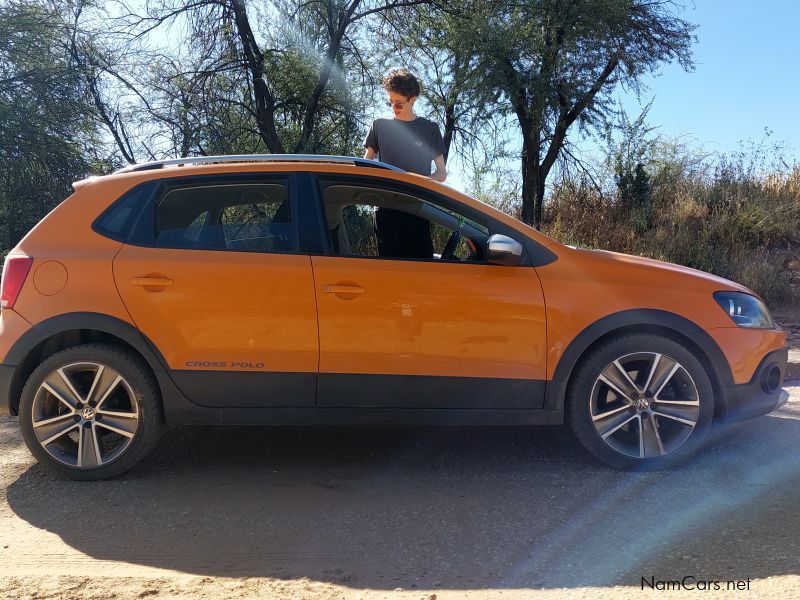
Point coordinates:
[(404, 513)]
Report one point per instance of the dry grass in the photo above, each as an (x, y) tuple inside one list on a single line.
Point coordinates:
[(732, 223)]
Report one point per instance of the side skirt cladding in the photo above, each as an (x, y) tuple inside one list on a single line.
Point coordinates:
[(344, 390), (353, 399)]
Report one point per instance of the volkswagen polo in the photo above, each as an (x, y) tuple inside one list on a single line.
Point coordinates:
[(335, 290)]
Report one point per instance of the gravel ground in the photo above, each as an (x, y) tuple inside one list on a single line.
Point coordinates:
[(404, 513)]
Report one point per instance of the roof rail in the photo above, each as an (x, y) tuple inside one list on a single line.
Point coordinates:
[(234, 158)]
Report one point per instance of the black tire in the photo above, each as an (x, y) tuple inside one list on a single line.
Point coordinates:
[(587, 392), (138, 385)]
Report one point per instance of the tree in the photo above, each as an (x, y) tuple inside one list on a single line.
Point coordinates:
[(46, 123), (555, 62), (631, 145), (427, 39), (296, 59)]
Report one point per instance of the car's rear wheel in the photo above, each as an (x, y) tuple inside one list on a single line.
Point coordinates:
[(90, 412), (641, 401)]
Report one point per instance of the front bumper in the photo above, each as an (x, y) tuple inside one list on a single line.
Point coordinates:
[(761, 395)]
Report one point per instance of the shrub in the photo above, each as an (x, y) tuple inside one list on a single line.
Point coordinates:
[(729, 216)]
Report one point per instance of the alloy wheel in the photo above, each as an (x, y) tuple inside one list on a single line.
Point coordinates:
[(85, 415), (644, 405)]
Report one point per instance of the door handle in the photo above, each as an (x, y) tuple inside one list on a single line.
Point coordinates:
[(152, 281), (342, 289)]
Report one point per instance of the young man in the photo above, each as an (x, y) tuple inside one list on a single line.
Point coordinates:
[(406, 141), (410, 143)]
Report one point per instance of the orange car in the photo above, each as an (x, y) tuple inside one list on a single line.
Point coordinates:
[(308, 289)]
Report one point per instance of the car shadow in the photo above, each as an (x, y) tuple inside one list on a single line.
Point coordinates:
[(455, 508)]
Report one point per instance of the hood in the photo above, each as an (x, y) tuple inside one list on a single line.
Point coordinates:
[(648, 267)]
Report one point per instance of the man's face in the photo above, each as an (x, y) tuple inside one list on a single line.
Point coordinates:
[(402, 106)]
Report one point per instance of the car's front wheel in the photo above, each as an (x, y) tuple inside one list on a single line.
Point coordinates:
[(90, 412), (640, 401)]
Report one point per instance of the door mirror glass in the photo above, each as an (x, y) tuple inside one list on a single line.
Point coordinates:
[(503, 250)]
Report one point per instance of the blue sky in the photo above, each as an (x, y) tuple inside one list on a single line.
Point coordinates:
[(747, 77)]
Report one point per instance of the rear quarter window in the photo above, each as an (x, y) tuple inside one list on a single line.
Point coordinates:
[(117, 221)]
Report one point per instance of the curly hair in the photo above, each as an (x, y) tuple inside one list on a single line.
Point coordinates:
[(401, 81)]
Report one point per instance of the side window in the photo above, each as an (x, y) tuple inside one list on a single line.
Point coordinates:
[(192, 233), (253, 217), (441, 235), (372, 222)]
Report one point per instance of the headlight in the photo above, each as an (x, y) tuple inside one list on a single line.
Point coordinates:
[(745, 310)]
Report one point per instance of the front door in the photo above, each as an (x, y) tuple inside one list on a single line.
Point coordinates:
[(223, 293), (399, 329)]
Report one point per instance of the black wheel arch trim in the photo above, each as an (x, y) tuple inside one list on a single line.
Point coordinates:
[(106, 324), (48, 328), (721, 375)]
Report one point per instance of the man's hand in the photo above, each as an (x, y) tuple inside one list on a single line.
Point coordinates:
[(370, 153), (440, 174)]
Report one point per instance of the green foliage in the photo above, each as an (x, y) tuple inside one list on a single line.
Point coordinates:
[(359, 222), (630, 145), (294, 75), (45, 120), (555, 64), (634, 190), (497, 188)]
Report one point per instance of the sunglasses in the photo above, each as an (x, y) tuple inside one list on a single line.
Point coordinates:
[(396, 104)]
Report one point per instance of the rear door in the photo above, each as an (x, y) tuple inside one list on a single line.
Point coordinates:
[(215, 278), (422, 332)]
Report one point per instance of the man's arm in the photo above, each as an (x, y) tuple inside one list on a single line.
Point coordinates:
[(371, 143), (440, 174)]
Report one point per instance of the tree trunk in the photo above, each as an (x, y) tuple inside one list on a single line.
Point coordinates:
[(539, 202), (264, 102), (336, 35), (310, 115), (533, 180), (449, 128)]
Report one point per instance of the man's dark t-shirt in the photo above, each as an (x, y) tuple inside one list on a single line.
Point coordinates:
[(409, 145)]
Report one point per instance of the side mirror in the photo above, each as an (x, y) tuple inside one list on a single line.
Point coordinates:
[(503, 250)]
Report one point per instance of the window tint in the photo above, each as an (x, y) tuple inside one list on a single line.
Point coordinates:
[(371, 222), (195, 228), (117, 221), (254, 217), (359, 224), (441, 235)]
